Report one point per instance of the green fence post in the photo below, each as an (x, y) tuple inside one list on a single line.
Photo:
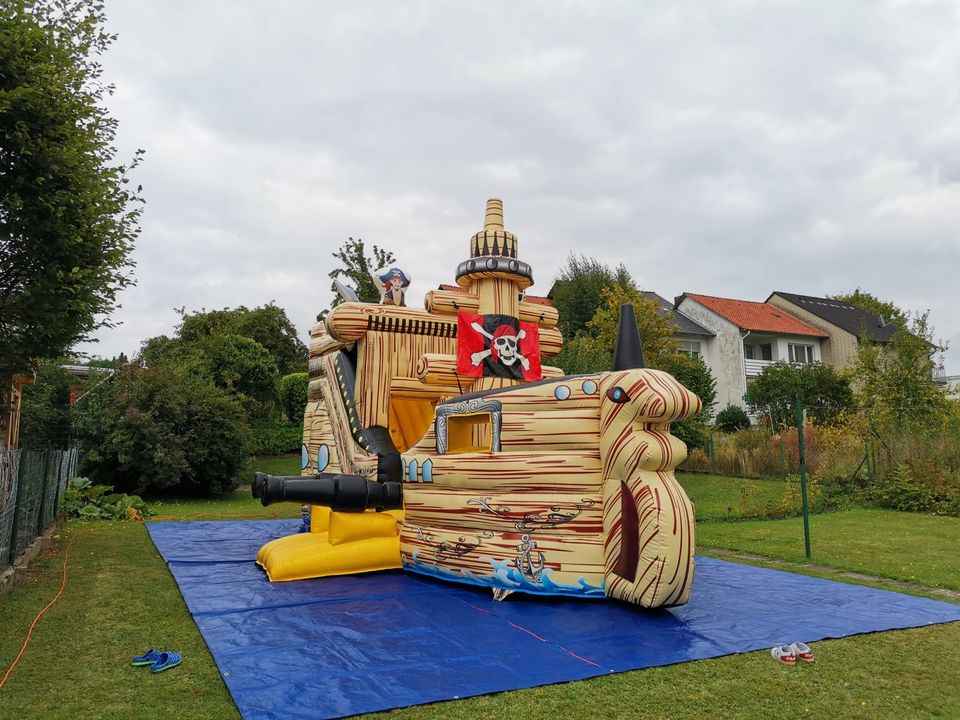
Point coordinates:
[(18, 496), (713, 456), (803, 476), (41, 515), (783, 460)]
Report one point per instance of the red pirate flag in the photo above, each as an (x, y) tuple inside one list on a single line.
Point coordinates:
[(497, 346)]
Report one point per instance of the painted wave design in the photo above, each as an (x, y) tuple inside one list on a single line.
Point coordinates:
[(508, 578)]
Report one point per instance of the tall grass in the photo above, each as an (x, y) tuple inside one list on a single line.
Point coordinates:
[(850, 463)]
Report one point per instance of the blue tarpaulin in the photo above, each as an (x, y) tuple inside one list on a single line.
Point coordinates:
[(346, 645)]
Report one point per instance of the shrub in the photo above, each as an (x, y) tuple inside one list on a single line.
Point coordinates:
[(732, 418), (83, 499), (293, 395), (898, 491), (275, 438), (161, 428)]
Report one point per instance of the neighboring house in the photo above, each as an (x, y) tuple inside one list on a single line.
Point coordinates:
[(749, 336), (692, 337), (949, 383), (843, 323), (82, 373)]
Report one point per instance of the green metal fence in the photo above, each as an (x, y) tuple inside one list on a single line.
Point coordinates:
[(31, 485)]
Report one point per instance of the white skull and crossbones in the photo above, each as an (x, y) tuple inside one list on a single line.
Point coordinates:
[(504, 347)]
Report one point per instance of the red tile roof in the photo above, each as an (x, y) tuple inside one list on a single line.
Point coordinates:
[(759, 316), (538, 300)]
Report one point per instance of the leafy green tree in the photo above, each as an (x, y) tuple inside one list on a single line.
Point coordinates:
[(356, 269), (577, 291), (894, 386), (45, 412), (824, 392), (68, 216), (593, 349), (111, 363), (268, 325), (293, 395), (163, 428), (241, 366)]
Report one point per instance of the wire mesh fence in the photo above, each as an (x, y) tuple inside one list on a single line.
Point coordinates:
[(32, 483)]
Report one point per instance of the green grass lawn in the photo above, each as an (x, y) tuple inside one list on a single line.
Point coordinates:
[(121, 600), (718, 497), (923, 549), (280, 465)]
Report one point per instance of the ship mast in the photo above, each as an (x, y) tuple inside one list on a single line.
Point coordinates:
[(495, 276)]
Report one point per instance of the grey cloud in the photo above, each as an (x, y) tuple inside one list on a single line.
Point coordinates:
[(733, 148)]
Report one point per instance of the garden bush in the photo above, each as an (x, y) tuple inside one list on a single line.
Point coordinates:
[(732, 418), (163, 428), (823, 391), (293, 395), (897, 490), (275, 438)]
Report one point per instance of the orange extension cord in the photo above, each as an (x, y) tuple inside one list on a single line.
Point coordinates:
[(26, 641)]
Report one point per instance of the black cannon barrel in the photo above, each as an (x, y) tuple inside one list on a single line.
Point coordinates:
[(344, 493)]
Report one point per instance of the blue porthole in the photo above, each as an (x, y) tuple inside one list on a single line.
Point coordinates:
[(427, 471), (589, 387), (304, 457), (412, 471), (562, 392), (323, 458)]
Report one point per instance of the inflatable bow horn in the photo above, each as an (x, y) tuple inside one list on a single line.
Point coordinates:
[(628, 352)]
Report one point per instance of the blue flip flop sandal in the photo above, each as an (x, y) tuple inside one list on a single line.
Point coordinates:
[(148, 658), (167, 660)]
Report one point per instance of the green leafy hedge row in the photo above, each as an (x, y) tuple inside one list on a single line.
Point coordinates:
[(274, 438)]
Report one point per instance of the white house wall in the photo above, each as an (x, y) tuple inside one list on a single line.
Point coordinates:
[(723, 353)]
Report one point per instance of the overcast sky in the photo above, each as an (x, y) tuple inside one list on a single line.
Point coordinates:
[(728, 148)]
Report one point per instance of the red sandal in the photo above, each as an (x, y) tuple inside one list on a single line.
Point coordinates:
[(784, 653)]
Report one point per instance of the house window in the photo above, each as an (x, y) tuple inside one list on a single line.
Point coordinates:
[(689, 347), (766, 351), (748, 352), (801, 353)]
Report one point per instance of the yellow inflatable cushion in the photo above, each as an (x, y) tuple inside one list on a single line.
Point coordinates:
[(350, 527)]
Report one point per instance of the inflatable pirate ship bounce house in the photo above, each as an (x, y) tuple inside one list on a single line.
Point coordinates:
[(439, 441)]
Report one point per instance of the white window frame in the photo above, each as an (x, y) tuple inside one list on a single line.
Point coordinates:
[(689, 347), (792, 349)]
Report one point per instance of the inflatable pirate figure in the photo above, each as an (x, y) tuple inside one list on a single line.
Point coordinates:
[(393, 283)]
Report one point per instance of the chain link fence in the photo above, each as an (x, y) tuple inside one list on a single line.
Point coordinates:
[(32, 482)]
